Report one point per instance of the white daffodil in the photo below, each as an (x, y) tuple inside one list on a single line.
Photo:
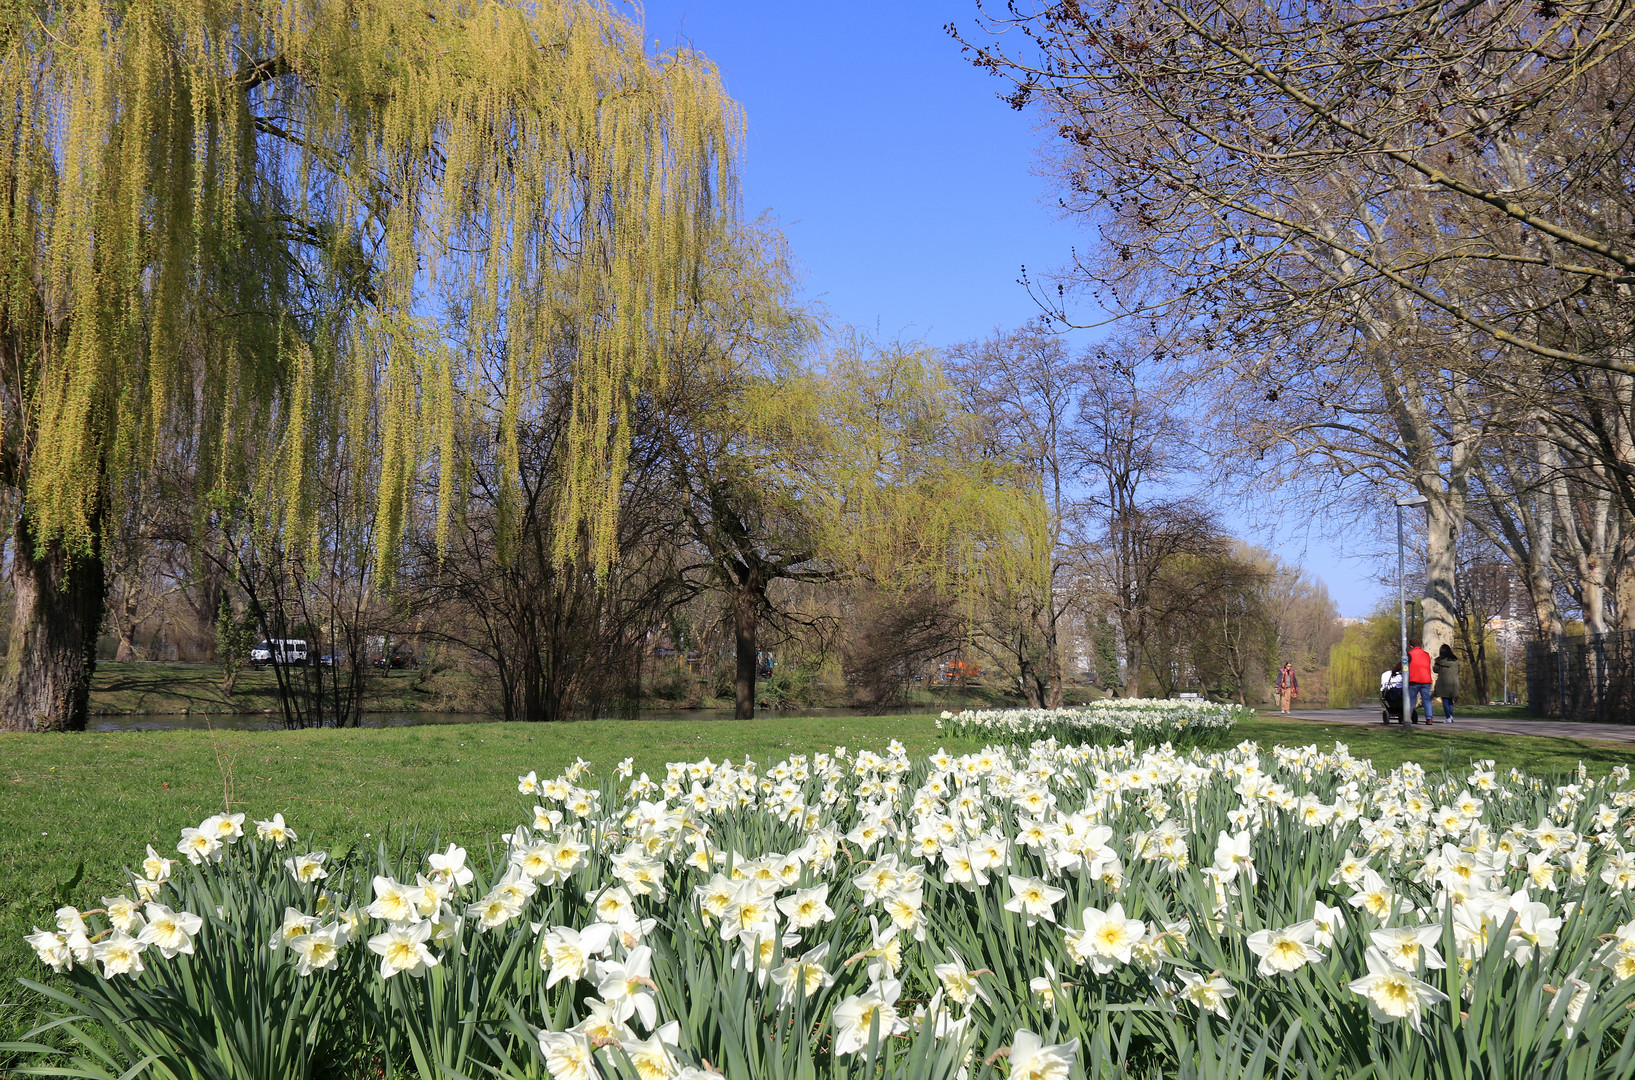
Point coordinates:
[(1043, 988), (1207, 994), (1535, 931), (627, 986), (538, 861), (199, 847), (515, 888), (1234, 856), (615, 906), (1409, 946), (156, 866), (600, 1024), (171, 932), (403, 948), (1374, 896), (807, 908), (275, 831), (1033, 898), (803, 976), (1031, 1059), (959, 984), (119, 954), (295, 925), (308, 868), (1327, 922), (1392, 993), (873, 1011), (493, 911), (885, 951), (654, 1057), (395, 902), (1107, 940), (450, 866), (878, 879), (905, 908), (567, 1055), (70, 921), (123, 913), (319, 950), (1286, 950), (227, 828), (1581, 992), (51, 946), (752, 912)]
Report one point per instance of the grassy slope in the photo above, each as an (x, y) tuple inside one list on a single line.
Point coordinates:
[(101, 797)]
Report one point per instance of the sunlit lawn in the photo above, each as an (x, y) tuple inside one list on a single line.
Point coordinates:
[(100, 797)]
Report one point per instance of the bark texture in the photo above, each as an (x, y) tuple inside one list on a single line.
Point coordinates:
[(746, 618), (46, 685)]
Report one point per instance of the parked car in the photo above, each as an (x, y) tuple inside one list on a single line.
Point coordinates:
[(289, 652)]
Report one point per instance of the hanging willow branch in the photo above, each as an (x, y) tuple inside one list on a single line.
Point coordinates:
[(227, 222)]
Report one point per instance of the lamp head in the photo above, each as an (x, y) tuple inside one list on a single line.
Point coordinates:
[(1412, 500)]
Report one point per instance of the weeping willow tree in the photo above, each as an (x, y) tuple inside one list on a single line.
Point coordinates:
[(801, 461), (225, 220), (887, 474)]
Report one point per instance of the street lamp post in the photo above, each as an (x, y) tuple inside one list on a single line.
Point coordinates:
[(1402, 591), (1504, 640)]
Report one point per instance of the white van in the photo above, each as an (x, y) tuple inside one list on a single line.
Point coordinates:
[(289, 652)]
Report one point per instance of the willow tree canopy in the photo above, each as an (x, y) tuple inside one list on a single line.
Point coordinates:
[(225, 218)]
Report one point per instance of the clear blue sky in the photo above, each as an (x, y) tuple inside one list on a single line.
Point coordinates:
[(905, 187)]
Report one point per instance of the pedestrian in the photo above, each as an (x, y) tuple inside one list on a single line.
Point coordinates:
[(1288, 688), (1419, 680), (1447, 681)]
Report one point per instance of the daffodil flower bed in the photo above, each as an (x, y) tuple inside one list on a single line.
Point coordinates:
[(1144, 721), (1048, 912)]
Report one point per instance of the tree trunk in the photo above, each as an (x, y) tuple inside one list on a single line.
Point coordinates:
[(746, 617), (1028, 680), (1445, 514), (1053, 655), (1132, 661), (46, 685), (1623, 589)]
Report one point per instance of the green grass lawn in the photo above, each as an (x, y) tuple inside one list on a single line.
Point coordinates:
[(98, 798)]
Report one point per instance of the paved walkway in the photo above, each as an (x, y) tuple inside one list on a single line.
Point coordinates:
[(1562, 729)]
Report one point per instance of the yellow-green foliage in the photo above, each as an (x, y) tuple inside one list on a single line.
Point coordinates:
[(914, 504), (1354, 665), (231, 223)]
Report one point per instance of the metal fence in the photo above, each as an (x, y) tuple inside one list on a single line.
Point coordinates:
[(1583, 678)]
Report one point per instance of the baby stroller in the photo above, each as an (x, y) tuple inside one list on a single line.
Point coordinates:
[(1391, 697)]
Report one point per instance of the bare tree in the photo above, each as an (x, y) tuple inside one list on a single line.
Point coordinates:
[(1126, 442), (1376, 222), (1216, 141), (1023, 387)]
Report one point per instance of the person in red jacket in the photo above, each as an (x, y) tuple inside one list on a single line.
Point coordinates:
[(1420, 679)]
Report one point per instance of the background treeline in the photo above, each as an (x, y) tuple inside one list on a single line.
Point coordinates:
[(1025, 542), (1388, 250), (503, 369)]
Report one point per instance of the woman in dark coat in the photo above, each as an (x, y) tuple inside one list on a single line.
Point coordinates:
[(1447, 681)]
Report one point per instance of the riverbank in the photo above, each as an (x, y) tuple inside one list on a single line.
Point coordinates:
[(156, 689), (161, 689)]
